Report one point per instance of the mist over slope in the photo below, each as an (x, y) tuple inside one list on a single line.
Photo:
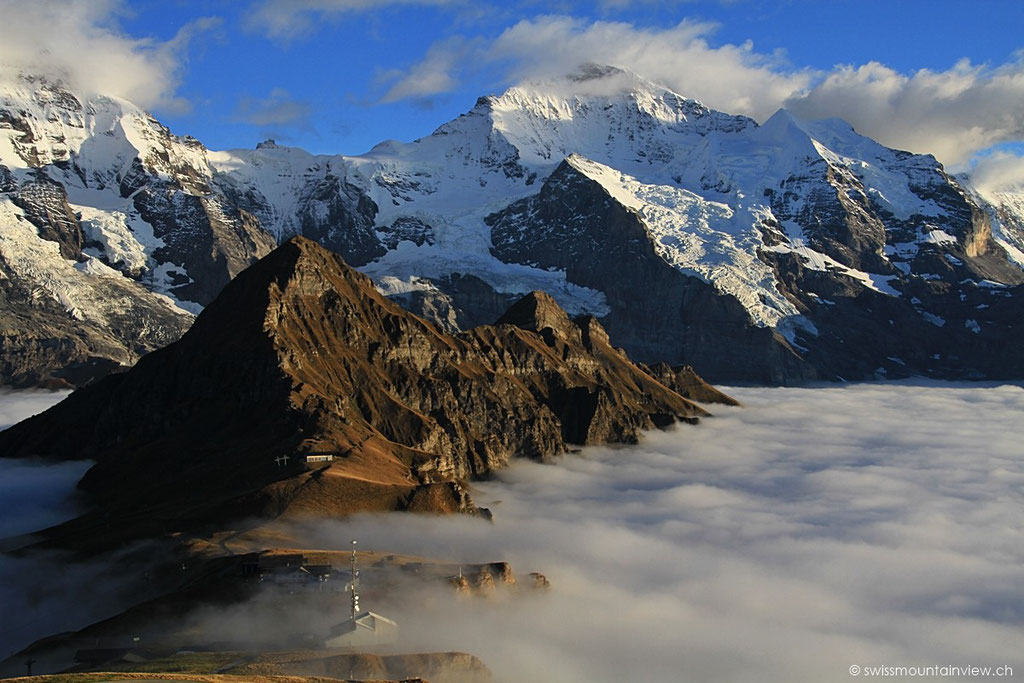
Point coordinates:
[(812, 530), (34, 495)]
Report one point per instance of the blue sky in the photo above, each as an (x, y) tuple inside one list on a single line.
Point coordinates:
[(338, 76)]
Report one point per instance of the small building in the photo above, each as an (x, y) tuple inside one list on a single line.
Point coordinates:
[(319, 457), (363, 630)]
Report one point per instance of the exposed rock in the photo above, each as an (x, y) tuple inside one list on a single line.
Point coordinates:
[(340, 216), (407, 229), (300, 353), (539, 582), (657, 312), (45, 204), (686, 382), (209, 241)]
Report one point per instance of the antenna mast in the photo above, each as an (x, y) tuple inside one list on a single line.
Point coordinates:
[(355, 583)]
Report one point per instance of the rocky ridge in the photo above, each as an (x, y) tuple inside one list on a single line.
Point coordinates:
[(300, 354)]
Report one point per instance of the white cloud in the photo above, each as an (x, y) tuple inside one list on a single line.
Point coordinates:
[(277, 109), (290, 19), (15, 406), (952, 114), (998, 172), (431, 75), (811, 530), (733, 78), (34, 495), (78, 40), (785, 541)]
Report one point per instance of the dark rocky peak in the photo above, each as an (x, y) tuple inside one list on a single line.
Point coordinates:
[(685, 381), (301, 354), (593, 334), (591, 71), (537, 312)]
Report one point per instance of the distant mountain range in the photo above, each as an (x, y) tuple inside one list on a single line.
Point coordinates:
[(783, 252)]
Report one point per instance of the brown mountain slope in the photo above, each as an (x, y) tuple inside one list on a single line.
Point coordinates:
[(301, 354)]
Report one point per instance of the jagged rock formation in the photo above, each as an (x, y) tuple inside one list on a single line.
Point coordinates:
[(780, 252), (300, 354)]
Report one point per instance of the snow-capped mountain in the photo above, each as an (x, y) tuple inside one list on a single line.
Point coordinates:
[(777, 252)]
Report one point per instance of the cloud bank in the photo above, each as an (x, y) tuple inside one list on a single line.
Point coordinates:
[(79, 41), (786, 541), (998, 172), (15, 406), (952, 114), (812, 530), (34, 495)]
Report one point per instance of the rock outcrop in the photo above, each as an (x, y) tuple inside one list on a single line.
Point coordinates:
[(301, 355)]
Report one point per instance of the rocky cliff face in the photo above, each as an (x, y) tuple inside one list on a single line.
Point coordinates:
[(142, 240), (656, 311), (300, 354), (780, 252)]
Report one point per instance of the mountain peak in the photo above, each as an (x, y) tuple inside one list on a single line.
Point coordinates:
[(301, 354), (594, 80), (537, 311)]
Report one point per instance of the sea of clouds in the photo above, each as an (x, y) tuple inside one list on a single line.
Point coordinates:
[(34, 495), (809, 531)]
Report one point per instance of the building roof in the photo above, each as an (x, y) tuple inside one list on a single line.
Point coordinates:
[(368, 620)]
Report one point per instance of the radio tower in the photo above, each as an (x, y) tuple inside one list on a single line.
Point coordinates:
[(354, 585)]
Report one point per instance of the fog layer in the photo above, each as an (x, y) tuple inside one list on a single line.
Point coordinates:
[(812, 530), (34, 495), (786, 541)]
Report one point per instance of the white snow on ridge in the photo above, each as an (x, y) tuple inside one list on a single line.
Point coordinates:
[(701, 238), (77, 287), (696, 177), (815, 260), (1006, 208), (700, 180)]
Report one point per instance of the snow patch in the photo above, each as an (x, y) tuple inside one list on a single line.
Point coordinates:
[(939, 237)]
